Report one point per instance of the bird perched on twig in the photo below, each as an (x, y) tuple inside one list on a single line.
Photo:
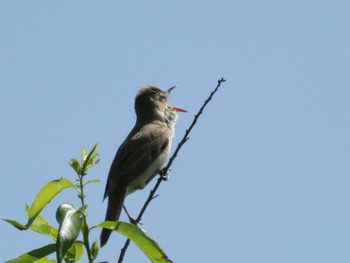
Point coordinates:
[(144, 151)]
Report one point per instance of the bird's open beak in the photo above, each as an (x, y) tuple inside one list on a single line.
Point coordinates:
[(173, 107)]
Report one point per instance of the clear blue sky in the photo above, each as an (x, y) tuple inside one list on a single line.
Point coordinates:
[(265, 176)]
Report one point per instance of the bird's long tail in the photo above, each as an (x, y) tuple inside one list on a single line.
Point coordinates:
[(115, 205)]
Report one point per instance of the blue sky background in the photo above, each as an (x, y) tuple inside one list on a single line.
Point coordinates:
[(265, 175)]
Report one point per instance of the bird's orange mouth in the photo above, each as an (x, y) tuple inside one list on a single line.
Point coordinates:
[(178, 109)]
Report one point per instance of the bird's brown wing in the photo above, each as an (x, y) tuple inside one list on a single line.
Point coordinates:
[(136, 154)]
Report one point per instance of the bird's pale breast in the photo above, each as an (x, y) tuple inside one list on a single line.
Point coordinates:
[(140, 181)]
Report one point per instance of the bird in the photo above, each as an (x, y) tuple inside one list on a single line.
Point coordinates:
[(144, 151)]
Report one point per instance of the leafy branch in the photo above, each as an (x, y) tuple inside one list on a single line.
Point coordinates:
[(72, 222)]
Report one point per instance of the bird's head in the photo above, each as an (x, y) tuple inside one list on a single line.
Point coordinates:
[(151, 103)]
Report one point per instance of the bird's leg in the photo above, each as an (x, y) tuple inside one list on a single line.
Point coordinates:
[(164, 174), (131, 219)]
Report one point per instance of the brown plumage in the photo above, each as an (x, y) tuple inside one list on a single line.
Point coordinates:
[(143, 152)]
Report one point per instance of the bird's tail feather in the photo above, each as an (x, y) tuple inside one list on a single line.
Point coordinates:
[(115, 205)]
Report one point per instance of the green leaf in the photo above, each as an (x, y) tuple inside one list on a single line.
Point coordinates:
[(45, 260), (83, 156), (14, 223), (92, 181), (45, 229), (94, 250), (39, 219), (26, 208), (88, 161), (148, 246), (45, 195), (75, 165), (40, 225), (75, 252), (34, 255), (70, 221)]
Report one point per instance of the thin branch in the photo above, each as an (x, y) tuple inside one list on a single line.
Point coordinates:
[(163, 173)]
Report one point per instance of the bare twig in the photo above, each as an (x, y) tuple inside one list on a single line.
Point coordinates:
[(163, 173)]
